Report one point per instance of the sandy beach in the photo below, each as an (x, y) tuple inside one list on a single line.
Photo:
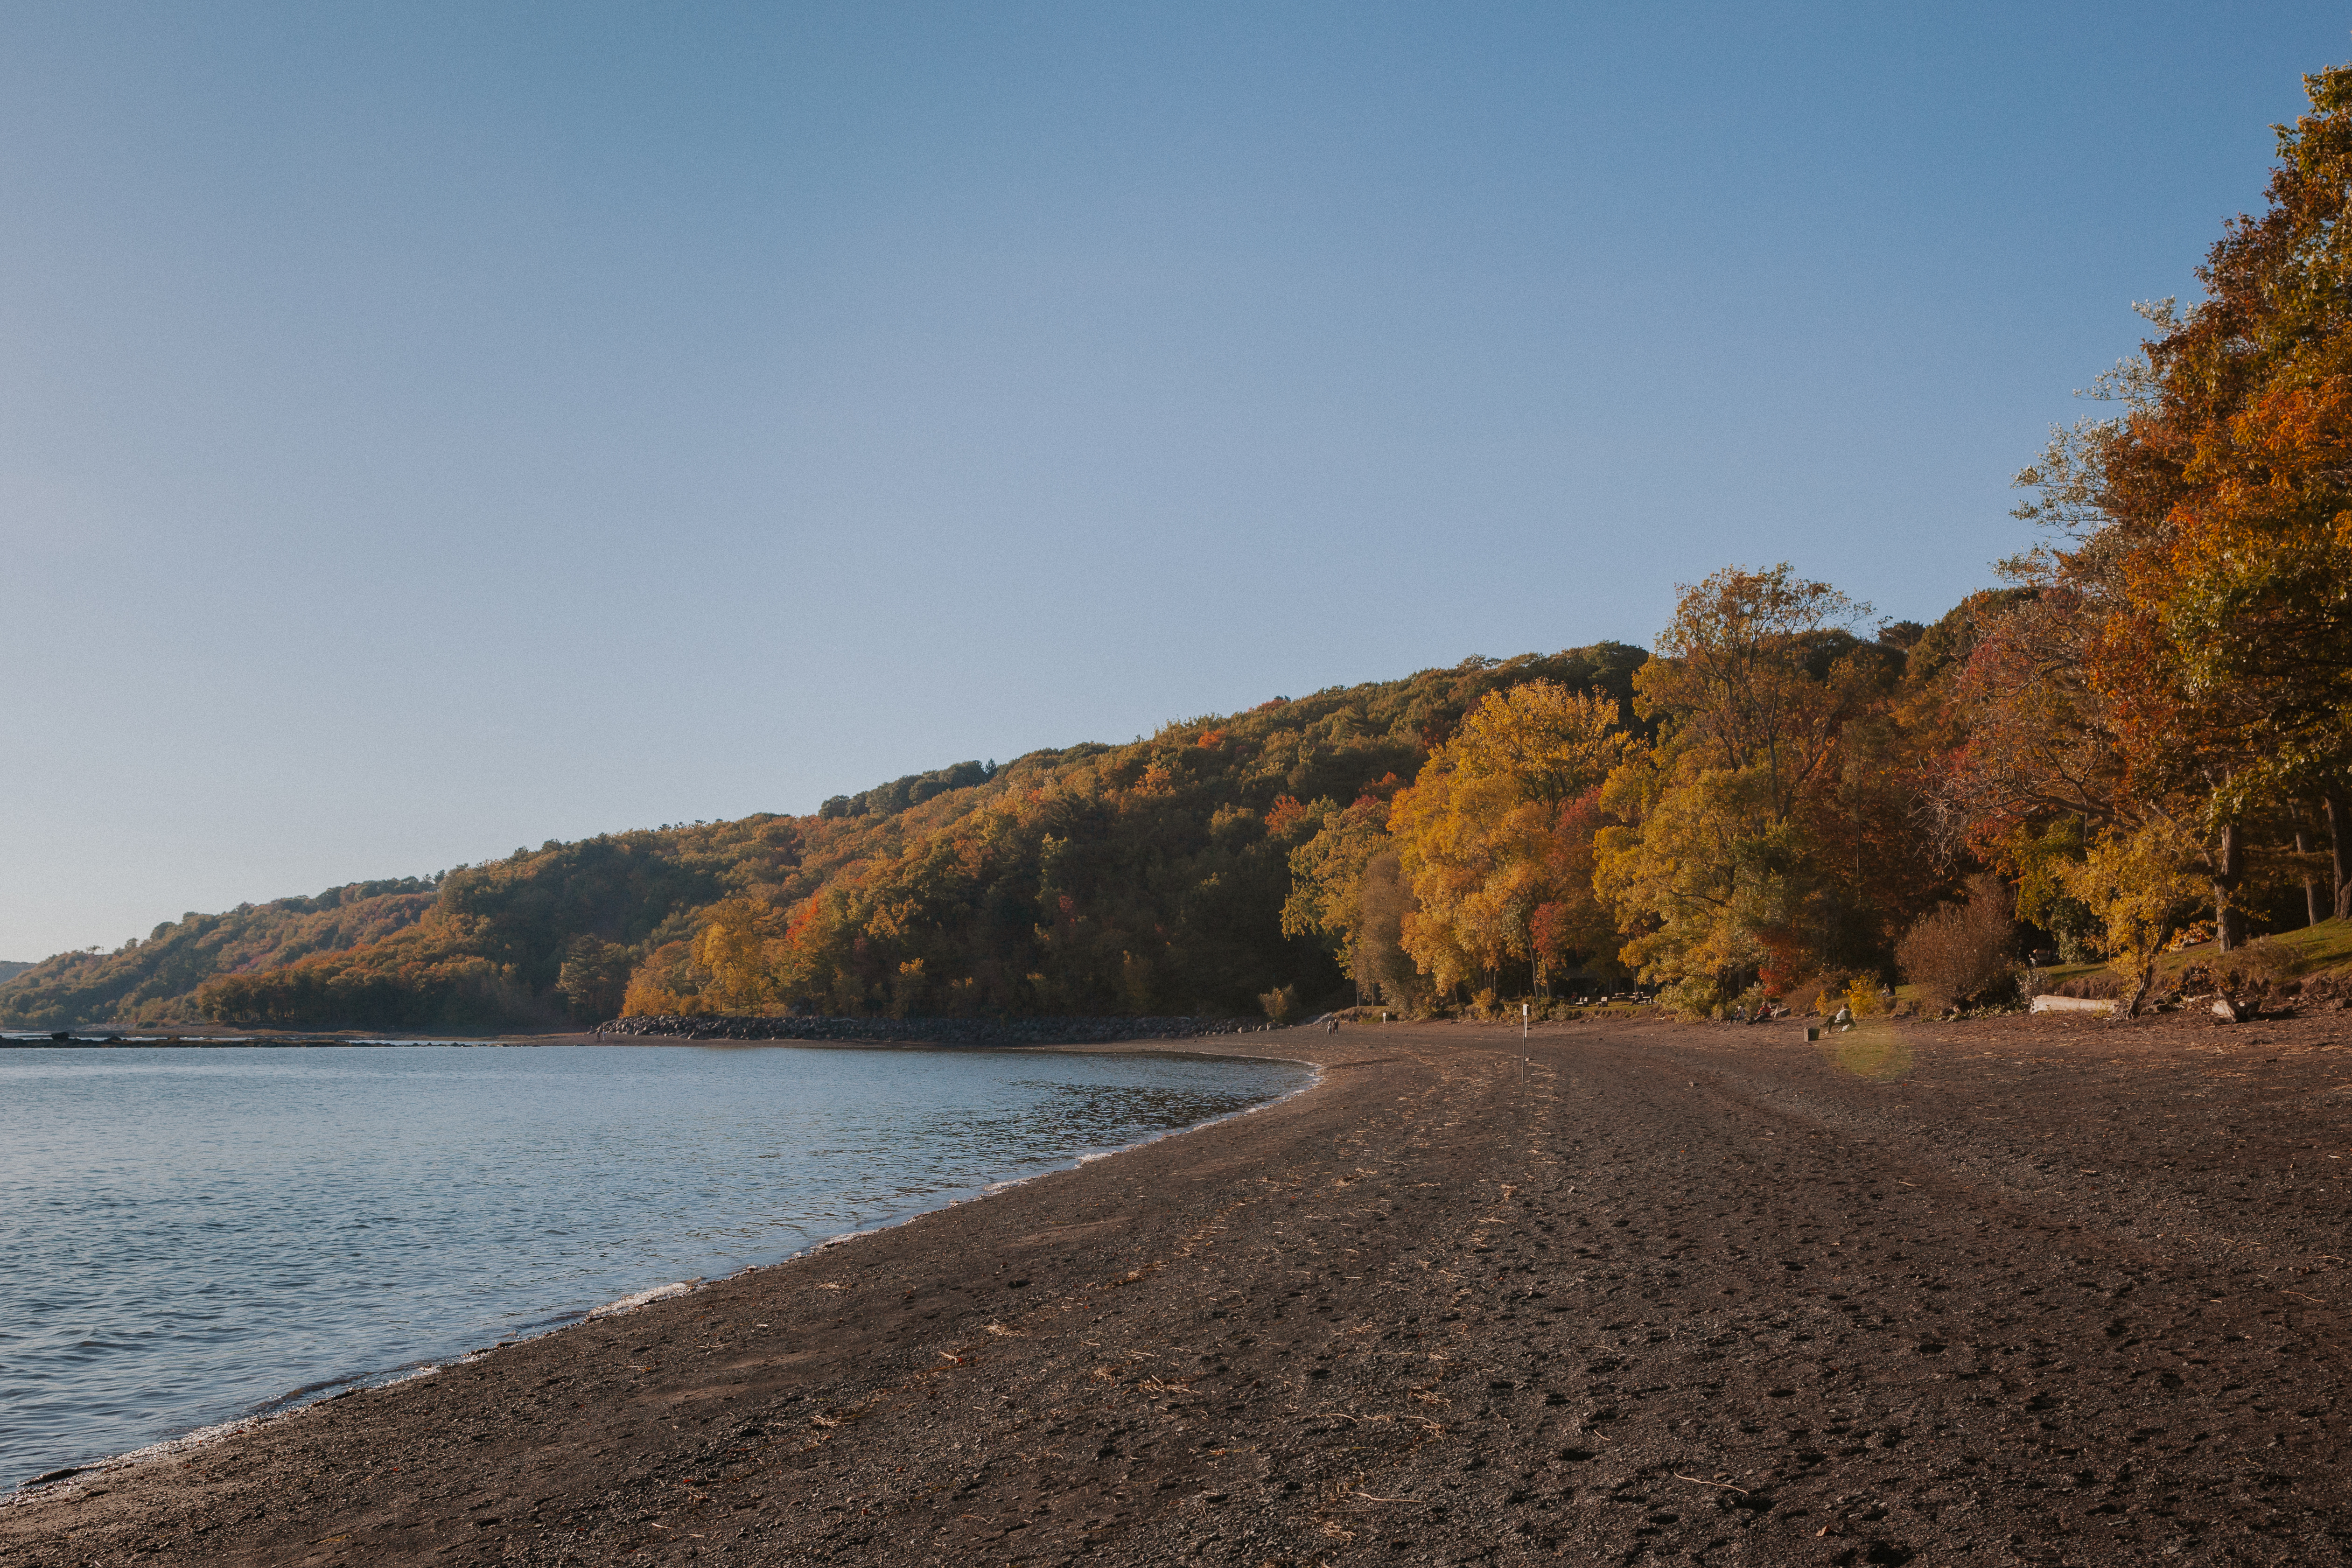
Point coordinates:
[(2023, 1291)]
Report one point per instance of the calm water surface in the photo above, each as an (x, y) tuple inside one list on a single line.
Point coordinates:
[(191, 1234)]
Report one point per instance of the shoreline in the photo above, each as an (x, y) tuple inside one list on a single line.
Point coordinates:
[(304, 1399), (940, 1033), (1691, 1292)]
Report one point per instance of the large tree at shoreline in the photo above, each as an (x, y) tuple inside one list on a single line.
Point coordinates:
[(1724, 864), (2188, 659)]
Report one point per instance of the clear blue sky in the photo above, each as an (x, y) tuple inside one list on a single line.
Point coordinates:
[(428, 430)]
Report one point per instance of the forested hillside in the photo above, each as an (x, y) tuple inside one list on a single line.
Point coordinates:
[(1779, 801), (1146, 877), (2143, 742), (155, 978)]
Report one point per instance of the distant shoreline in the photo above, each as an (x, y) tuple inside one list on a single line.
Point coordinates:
[(944, 1033), (88, 1039)]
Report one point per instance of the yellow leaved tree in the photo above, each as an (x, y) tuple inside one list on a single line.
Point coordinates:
[(1477, 834), (2144, 884), (732, 965), (1716, 872)]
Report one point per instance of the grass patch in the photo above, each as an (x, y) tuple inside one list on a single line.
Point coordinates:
[(2312, 950), (2323, 949)]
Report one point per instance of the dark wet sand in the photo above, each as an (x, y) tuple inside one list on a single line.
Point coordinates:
[(2027, 1290)]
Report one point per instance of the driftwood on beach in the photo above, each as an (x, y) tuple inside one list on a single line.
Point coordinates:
[(1051, 1031)]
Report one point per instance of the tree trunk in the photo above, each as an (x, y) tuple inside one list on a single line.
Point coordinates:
[(2146, 981), (2229, 870), (2311, 915), (2339, 838)]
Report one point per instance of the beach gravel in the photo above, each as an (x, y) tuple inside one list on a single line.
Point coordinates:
[(2042, 1290)]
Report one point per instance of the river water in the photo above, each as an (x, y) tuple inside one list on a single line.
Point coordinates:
[(189, 1236)]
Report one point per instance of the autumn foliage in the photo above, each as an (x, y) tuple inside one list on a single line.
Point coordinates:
[(2166, 723), (1149, 878), (2148, 727)]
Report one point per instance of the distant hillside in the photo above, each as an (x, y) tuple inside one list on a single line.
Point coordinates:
[(155, 979), (9, 970), (1145, 877)]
